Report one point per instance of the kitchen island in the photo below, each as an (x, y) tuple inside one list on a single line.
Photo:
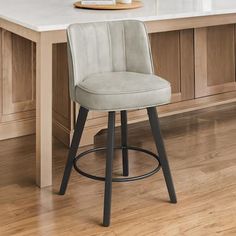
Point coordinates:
[(193, 44)]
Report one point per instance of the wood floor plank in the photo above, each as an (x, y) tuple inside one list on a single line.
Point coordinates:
[(202, 152)]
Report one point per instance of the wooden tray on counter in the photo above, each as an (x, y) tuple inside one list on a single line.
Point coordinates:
[(117, 6)]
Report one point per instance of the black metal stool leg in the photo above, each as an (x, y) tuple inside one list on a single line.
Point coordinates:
[(155, 126), (79, 127), (125, 160), (109, 163)]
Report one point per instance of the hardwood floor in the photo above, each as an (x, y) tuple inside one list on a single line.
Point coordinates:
[(202, 153)]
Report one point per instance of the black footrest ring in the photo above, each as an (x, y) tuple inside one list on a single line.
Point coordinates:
[(125, 179)]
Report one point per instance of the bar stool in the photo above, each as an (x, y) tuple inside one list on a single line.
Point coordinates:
[(111, 70)]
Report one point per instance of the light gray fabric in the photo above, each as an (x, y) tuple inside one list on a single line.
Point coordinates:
[(122, 90), (110, 62)]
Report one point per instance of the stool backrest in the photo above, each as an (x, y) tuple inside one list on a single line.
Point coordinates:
[(107, 47)]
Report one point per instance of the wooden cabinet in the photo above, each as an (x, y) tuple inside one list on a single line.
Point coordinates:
[(215, 60), (17, 85), (197, 62)]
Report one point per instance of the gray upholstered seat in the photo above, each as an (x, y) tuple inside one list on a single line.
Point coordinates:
[(122, 90), (111, 67)]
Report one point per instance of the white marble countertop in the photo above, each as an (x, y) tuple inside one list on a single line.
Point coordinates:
[(48, 15)]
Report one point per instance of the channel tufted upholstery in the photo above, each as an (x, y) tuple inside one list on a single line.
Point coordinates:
[(111, 67)]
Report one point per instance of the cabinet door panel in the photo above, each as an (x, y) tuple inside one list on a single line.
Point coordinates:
[(215, 60), (18, 77), (173, 58), (62, 104)]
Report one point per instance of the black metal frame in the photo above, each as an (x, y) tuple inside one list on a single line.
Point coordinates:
[(161, 157), (156, 132), (79, 127), (124, 138), (126, 179)]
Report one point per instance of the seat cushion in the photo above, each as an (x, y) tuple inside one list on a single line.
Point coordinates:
[(114, 91)]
